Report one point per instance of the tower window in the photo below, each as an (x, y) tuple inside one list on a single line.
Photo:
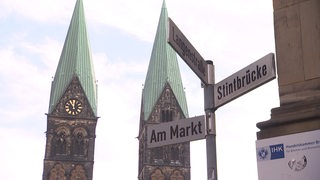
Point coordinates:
[(176, 175), (157, 153), (57, 172), (61, 143), (157, 175), (174, 153), (78, 173), (166, 115), (80, 142)]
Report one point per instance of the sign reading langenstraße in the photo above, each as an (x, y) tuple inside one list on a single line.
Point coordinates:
[(245, 80), (187, 52), (173, 132)]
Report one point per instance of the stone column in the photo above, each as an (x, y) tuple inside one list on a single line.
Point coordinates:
[(297, 38)]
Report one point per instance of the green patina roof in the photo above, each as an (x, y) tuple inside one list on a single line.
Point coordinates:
[(75, 60), (163, 68)]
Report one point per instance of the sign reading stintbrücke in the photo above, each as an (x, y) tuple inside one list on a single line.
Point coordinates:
[(245, 80)]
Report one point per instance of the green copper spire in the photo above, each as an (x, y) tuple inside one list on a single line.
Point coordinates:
[(75, 61), (163, 68)]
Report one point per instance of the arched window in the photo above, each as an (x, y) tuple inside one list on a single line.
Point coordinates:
[(157, 155), (80, 142), (176, 175), (57, 173), (166, 115), (174, 153), (78, 173), (61, 141), (157, 175)]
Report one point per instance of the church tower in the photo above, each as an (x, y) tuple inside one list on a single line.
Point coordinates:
[(72, 115), (163, 100)]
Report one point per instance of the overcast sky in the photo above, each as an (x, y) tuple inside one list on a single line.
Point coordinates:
[(232, 33)]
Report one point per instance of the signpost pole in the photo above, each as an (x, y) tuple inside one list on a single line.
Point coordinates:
[(210, 124)]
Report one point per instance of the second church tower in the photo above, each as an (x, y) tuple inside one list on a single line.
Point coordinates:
[(163, 100)]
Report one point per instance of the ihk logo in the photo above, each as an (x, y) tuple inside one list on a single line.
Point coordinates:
[(270, 152), (277, 151)]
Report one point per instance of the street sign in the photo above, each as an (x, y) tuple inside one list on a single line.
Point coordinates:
[(187, 52), (245, 80), (174, 132)]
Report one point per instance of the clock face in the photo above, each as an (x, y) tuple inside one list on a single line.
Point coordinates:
[(73, 107)]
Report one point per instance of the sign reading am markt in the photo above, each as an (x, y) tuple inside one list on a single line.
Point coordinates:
[(174, 132)]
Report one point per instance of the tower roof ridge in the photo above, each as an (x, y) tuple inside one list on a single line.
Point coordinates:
[(75, 60)]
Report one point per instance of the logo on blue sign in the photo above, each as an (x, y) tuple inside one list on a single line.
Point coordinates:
[(277, 151), (270, 152)]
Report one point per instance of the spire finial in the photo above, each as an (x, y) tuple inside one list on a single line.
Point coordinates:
[(164, 4)]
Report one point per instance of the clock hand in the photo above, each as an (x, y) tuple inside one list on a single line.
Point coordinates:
[(73, 103)]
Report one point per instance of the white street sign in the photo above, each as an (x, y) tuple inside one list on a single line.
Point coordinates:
[(174, 132), (187, 52), (245, 80)]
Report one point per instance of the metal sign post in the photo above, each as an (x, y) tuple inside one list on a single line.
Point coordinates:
[(210, 124)]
